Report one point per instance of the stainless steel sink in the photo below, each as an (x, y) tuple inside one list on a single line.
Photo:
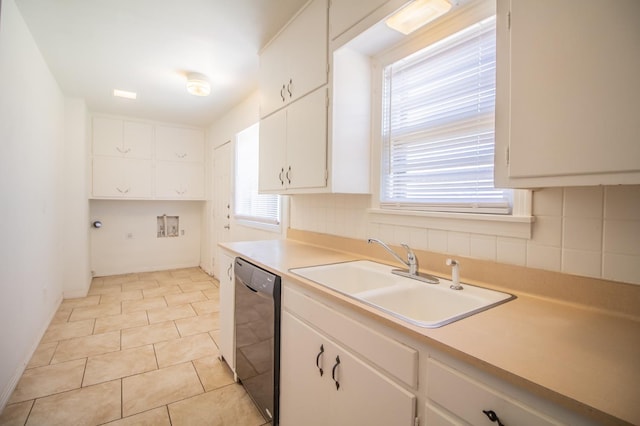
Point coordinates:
[(418, 303)]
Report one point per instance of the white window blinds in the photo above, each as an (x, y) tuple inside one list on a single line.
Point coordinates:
[(249, 205), (438, 126)]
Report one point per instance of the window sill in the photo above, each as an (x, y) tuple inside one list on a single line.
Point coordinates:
[(486, 224), (260, 225)]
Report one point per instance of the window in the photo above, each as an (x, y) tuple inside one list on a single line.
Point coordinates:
[(249, 205), (438, 126)]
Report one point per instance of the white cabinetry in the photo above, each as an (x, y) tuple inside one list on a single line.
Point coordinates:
[(295, 62), (293, 146), (122, 158), (324, 382), (455, 398), (118, 138), (121, 177), (179, 163), (567, 91), (227, 306), (139, 160)]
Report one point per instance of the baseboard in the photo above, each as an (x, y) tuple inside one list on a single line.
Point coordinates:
[(13, 382), (135, 270)]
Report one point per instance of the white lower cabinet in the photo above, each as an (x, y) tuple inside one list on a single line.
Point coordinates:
[(227, 305), (387, 377), (472, 402), (323, 383)]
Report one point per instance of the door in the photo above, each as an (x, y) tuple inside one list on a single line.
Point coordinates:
[(222, 160)]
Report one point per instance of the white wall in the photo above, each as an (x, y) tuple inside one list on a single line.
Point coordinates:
[(586, 231), (77, 268), (128, 242), (32, 121)]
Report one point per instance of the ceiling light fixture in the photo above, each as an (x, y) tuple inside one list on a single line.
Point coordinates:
[(417, 14), (198, 84), (124, 94)]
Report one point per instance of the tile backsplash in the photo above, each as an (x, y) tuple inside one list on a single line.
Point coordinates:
[(587, 231)]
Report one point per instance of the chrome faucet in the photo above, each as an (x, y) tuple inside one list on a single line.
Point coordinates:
[(411, 263)]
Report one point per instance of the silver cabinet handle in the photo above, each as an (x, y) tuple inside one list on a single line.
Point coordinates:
[(288, 175), (229, 271), (290, 87), (123, 151), (227, 226), (282, 93), (280, 176), (123, 191), (181, 156)]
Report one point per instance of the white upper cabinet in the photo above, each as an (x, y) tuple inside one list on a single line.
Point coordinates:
[(567, 93), (179, 144), (293, 146), (122, 178), (118, 138), (295, 62), (138, 160)]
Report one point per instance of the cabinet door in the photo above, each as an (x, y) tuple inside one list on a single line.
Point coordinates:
[(295, 63), (121, 177), (137, 140), (273, 75), (307, 141), (179, 144), (227, 303), (304, 393), (306, 38), (272, 152), (179, 180), (363, 397), (567, 93), (107, 137)]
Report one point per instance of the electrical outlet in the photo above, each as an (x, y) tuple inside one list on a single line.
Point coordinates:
[(182, 232), (129, 236)]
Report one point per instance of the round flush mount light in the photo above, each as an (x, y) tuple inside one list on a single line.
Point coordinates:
[(198, 84)]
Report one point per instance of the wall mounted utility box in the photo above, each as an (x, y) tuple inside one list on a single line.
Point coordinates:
[(168, 226)]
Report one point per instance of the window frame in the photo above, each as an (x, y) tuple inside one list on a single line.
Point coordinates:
[(263, 223), (519, 223)]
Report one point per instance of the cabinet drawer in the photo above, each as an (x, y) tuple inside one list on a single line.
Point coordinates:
[(396, 358), (467, 398)]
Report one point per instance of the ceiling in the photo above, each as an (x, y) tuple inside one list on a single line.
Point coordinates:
[(147, 46)]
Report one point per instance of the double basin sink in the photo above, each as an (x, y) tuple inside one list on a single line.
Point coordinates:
[(413, 301)]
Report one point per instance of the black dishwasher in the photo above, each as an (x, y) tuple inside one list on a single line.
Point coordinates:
[(257, 325)]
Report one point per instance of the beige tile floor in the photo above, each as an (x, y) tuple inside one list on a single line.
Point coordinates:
[(140, 349)]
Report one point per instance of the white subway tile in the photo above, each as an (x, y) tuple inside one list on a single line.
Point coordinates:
[(583, 202), (547, 231), (483, 247), (582, 262), (458, 243), (438, 240), (622, 202), (582, 234), (547, 202), (419, 238), (511, 250), (622, 237), (543, 257), (621, 267)]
